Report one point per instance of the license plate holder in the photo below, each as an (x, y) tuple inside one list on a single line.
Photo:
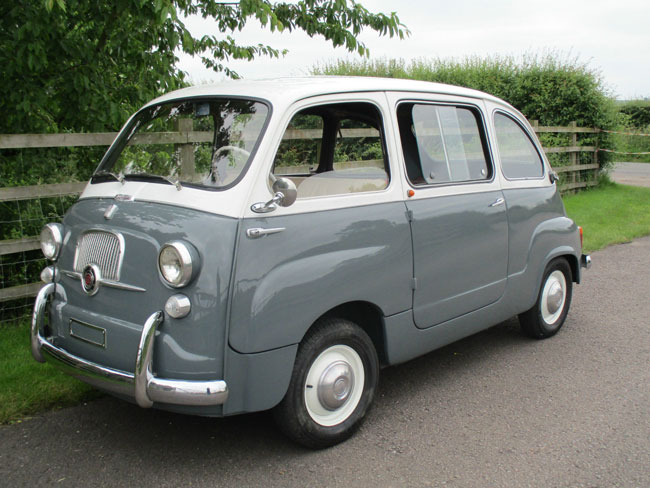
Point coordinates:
[(88, 333)]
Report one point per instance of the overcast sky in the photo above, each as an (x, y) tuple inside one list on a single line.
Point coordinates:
[(612, 37)]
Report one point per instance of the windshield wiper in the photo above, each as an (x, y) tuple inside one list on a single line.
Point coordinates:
[(119, 177), (150, 176)]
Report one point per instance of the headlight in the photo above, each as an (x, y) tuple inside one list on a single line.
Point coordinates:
[(178, 262), (51, 240)]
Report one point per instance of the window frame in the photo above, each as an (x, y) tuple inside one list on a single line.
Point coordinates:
[(533, 140), (485, 142), (121, 140), (388, 168)]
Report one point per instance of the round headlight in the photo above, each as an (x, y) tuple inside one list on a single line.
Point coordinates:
[(176, 263), (51, 240)]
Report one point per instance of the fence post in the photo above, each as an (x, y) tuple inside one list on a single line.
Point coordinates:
[(186, 155), (573, 156), (595, 159)]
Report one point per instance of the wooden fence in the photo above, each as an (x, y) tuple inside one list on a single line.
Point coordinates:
[(185, 139)]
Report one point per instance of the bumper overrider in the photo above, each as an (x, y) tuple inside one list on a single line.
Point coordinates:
[(141, 385)]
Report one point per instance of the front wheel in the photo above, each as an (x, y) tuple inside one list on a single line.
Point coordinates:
[(333, 384), (549, 312)]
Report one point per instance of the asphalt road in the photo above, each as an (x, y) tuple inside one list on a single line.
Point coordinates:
[(494, 410), (637, 174)]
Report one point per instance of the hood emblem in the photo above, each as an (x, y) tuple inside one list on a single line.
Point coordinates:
[(90, 279), (110, 212)]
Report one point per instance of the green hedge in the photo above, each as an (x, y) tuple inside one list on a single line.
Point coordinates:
[(634, 117), (547, 88)]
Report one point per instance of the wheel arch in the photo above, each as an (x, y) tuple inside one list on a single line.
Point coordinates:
[(567, 253), (366, 315)]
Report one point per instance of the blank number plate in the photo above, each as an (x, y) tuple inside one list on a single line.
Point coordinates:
[(88, 333)]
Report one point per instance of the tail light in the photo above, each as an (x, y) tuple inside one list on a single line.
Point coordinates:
[(580, 229)]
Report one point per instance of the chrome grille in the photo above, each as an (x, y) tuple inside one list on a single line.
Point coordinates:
[(103, 249)]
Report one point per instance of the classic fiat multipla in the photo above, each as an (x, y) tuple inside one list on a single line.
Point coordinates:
[(272, 244)]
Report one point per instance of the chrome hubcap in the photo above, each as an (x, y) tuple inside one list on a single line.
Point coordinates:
[(335, 384), (553, 297)]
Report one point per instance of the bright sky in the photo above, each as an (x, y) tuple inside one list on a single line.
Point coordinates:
[(612, 37)]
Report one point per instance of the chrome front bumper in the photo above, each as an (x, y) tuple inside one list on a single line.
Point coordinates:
[(142, 384)]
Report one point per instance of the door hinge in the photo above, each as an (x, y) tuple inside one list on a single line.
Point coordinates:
[(409, 215)]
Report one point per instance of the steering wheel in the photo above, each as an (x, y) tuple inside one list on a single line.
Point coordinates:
[(222, 166)]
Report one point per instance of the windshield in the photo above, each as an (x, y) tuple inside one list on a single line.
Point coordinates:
[(205, 143)]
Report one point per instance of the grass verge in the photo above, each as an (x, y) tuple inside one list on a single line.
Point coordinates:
[(28, 387), (610, 214)]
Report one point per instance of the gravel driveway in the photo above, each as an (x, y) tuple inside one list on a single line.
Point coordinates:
[(496, 409), (637, 174)]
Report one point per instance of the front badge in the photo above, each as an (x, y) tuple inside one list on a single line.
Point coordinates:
[(90, 279)]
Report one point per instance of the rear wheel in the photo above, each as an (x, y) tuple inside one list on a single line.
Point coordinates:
[(549, 312), (333, 384)]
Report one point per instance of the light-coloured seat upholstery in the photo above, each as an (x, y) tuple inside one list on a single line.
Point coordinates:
[(353, 180)]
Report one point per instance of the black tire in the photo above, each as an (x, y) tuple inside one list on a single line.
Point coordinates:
[(541, 322), (298, 415)]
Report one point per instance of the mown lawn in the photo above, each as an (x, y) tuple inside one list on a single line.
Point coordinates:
[(609, 214), (28, 387)]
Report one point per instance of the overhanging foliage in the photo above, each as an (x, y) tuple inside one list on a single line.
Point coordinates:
[(83, 65)]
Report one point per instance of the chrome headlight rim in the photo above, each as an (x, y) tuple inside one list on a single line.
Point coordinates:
[(55, 232), (188, 263)]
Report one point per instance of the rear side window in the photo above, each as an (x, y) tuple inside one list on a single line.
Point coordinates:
[(443, 144), (519, 157)]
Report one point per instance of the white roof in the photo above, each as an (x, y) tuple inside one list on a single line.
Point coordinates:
[(286, 90)]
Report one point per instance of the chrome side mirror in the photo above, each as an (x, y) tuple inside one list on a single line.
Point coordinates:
[(553, 176), (288, 190), (284, 194)]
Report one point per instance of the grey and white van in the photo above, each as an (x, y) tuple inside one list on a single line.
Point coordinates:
[(256, 245)]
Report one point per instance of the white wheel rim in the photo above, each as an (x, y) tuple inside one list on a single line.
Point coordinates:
[(553, 297), (346, 365)]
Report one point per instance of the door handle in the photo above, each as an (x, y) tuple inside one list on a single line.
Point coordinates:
[(497, 202), (257, 232)]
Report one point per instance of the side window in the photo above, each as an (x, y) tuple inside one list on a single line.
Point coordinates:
[(519, 158), (334, 149), (442, 143)]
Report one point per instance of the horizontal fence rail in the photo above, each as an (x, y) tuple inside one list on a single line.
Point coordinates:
[(23, 141)]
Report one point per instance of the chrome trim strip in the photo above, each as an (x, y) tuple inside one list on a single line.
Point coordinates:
[(121, 286), (102, 281), (143, 385)]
